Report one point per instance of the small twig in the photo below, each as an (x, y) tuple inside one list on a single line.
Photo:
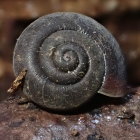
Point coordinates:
[(17, 82)]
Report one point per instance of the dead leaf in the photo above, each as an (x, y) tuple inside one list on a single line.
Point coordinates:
[(17, 82)]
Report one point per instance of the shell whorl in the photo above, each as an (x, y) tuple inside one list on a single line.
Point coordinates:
[(65, 57)]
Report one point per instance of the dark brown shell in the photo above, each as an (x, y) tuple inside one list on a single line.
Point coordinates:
[(69, 57)]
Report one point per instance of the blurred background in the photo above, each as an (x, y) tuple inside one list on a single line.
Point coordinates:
[(120, 17)]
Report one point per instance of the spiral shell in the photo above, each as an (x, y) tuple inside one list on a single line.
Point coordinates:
[(69, 57)]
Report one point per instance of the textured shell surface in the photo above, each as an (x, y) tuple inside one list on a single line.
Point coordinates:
[(69, 58)]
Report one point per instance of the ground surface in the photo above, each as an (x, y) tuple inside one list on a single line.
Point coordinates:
[(109, 119)]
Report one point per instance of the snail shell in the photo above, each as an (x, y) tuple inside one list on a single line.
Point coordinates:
[(69, 58)]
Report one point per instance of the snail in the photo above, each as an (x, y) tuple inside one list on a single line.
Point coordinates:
[(69, 58)]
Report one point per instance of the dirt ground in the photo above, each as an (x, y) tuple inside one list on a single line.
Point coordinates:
[(103, 119)]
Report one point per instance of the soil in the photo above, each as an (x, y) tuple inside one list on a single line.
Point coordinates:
[(104, 119)]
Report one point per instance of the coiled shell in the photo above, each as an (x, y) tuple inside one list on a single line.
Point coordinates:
[(69, 57)]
